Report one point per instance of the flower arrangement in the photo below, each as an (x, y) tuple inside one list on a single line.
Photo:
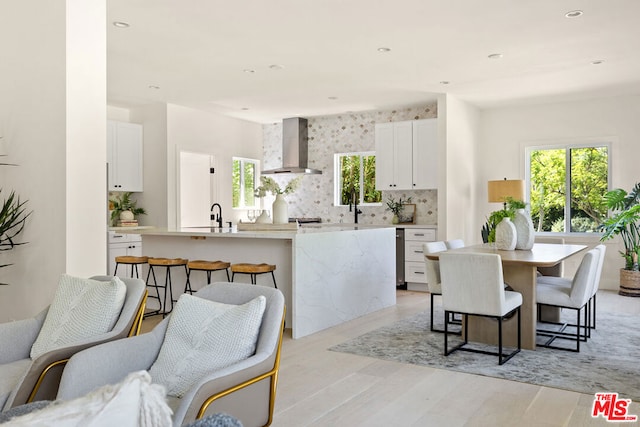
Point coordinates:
[(269, 185)]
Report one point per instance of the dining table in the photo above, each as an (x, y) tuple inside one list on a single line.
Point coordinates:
[(520, 269)]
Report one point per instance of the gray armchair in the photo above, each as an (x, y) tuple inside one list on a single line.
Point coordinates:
[(245, 390), (24, 380)]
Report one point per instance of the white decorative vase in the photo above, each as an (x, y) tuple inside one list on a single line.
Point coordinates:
[(263, 218), (280, 210), (525, 234), (506, 235), (126, 216)]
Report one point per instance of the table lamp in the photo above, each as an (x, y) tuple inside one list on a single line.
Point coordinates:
[(502, 189)]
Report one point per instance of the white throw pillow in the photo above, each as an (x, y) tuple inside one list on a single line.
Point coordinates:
[(81, 309), (204, 336), (134, 402)]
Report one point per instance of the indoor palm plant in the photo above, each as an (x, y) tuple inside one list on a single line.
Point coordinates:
[(625, 222)]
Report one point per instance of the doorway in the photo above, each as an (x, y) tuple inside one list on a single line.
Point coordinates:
[(197, 188)]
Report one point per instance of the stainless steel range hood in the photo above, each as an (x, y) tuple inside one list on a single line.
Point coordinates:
[(294, 148)]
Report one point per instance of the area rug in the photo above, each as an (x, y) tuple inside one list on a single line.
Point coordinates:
[(609, 361)]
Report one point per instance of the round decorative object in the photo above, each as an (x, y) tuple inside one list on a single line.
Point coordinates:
[(263, 218), (280, 210), (506, 235), (525, 234), (126, 216)]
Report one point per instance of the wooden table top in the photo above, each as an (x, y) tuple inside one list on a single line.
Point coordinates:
[(541, 255)]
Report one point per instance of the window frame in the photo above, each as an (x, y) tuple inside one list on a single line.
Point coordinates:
[(567, 202), (337, 177), (256, 183)]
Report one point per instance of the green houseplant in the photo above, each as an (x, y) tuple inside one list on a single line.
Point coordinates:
[(13, 217), (123, 203), (396, 206), (625, 222)]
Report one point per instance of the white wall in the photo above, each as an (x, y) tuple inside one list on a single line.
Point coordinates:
[(505, 132), (459, 133), (153, 199), (63, 231), (214, 134)]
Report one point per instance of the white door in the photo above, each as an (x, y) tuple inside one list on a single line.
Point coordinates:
[(196, 189)]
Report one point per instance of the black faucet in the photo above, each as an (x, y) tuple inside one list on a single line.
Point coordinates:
[(217, 217), (354, 203)]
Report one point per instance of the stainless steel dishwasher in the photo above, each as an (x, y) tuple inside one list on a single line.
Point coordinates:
[(400, 281)]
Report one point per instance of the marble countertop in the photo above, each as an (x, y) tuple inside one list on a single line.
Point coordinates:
[(233, 232)]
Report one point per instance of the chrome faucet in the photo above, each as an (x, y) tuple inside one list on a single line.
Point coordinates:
[(354, 203), (217, 217)]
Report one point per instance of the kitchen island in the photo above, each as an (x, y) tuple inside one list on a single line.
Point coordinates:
[(329, 274)]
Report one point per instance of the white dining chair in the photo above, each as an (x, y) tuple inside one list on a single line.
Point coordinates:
[(473, 284), (566, 283), (575, 297), (432, 268), (455, 244)]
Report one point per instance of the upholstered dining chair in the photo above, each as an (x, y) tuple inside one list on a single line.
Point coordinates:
[(575, 297), (432, 268), (245, 389), (567, 282), (455, 244), (25, 379), (473, 284)]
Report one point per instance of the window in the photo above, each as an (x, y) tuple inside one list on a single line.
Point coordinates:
[(244, 177), (584, 170), (355, 173)]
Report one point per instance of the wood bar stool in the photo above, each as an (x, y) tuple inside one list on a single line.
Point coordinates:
[(209, 267), (253, 270), (133, 261), (168, 263)]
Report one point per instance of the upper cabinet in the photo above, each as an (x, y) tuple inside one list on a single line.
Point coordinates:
[(407, 155), (124, 154)]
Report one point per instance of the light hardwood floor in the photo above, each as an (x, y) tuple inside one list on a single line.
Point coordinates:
[(318, 387)]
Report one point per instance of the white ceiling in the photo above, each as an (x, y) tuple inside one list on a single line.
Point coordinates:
[(197, 51)]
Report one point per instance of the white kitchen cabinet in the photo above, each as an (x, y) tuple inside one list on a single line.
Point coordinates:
[(124, 155), (121, 244), (414, 265), (406, 155)]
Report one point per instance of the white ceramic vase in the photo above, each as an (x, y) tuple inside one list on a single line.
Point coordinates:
[(280, 210), (506, 235), (525, 234), (126, 216), (263, 218)]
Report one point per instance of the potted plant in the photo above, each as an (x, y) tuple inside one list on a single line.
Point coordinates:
[(488, 231), (124, 208), (625, 221), (396, 206)]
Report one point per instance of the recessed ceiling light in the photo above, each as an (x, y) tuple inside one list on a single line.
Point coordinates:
[(154, 87), (495, 56), (444, 82), (333, 98), (597, 62), (573, 14), (121, 24), (384, 49), (276, 67), (244, 108), (249, 71)]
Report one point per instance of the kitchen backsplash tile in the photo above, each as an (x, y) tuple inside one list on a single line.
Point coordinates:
[(344, 133)]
